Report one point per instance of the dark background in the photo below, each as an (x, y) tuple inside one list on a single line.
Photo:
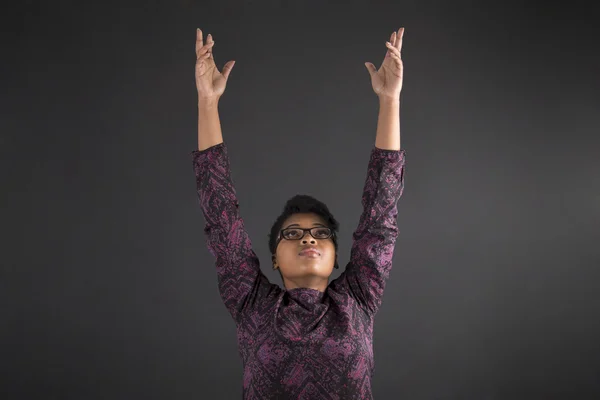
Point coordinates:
[(107, 289)]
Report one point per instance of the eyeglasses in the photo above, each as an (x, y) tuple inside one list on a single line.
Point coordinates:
[(298, 233)]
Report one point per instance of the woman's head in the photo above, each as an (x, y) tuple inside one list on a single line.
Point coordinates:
[(286, 242)]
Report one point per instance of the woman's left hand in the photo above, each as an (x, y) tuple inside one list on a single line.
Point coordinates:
[(387, 82)]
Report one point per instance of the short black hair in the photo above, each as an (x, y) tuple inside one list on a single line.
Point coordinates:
[(302, 203)]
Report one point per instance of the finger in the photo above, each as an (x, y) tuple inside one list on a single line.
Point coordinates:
[(204, 56), (392, 41), (392, 49), (399, 39), (204, 49), (371, 68), (227, 69), (209, 40), (396, 58), (199, 42)]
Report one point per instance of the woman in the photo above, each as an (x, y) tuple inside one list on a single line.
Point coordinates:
[(313, 339)]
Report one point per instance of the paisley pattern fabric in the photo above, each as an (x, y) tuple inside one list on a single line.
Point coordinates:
[(302, 343)]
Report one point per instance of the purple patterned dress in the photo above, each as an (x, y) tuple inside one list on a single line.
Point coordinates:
[(301, 343)]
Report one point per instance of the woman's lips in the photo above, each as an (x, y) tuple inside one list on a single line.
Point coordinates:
[(309, 252)]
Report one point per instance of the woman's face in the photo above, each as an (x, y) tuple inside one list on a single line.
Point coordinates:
[(304, 270)]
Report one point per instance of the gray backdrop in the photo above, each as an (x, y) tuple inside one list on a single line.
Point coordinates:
[(107, 289)]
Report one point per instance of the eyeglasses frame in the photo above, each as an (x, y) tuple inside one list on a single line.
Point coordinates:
[(281, 237)]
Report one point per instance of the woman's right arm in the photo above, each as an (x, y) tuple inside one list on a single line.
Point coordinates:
[(209, 125), (210, 84), (240, 280)]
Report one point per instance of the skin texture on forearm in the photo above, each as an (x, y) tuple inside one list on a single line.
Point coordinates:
[(388, 125), (209, 125)]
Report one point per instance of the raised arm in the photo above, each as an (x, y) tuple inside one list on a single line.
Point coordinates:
[(240, 279), (210, 84), (375, 237)]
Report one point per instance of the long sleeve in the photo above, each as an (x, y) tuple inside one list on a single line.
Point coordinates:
[(240, 279), (374, 239)]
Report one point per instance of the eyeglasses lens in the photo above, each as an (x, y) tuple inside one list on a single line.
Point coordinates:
[(317, 233)]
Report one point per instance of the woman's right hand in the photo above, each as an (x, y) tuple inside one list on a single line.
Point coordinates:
[(210, 83)]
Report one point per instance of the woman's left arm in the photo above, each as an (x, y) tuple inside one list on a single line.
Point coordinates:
[(374, 239), (387, 84), (388, 124)]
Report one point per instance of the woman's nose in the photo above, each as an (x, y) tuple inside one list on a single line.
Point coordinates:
[(307, 236)]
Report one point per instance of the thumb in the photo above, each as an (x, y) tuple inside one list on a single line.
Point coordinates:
[(371, 68), (227, 68)]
